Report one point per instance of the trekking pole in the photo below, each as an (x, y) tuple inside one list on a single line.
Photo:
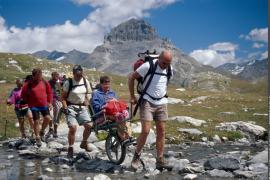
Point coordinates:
[(7, 116)]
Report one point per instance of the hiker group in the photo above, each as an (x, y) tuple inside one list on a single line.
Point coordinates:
[(75, 98)]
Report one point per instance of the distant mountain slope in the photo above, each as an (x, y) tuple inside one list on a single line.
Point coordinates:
[(250, 70)]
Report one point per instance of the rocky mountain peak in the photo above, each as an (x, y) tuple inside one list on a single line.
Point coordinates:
[(133, 29)]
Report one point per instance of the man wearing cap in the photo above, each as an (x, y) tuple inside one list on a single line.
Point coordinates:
[(75, 97)]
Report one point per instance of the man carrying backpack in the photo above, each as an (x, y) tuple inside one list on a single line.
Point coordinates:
[(153, 105), (75, 99), (38, 95), (57, 104)]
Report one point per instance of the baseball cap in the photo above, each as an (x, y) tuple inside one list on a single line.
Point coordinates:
[(77, 68)]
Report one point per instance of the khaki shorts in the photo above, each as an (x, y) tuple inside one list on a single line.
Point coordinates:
[(79, 115), (150, 112)]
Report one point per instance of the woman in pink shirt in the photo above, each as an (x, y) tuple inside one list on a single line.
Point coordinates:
[(20, 107)]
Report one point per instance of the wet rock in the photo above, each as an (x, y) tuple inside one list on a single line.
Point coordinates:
[(96, 165), (258, 167), (192, 169), (225, 139), (27, 153), (216, 139), (173, 154), (10, 157), (87, 155), (219, 173), (190, 131), (32, 173), (244, 174), (55, 145), (244, 141), (60, 140), (178, 164), (151, 138), (187, 119), (60, 160), (204, 139), (45, 161), (101, 177), (152, 173), (48, 170), (18, 142), (66, 178), (47, 152), (190, 176), (65, 166), (261, 157), (222, 163), (100, 145), (30, 164), (245, 127), (44, 177)]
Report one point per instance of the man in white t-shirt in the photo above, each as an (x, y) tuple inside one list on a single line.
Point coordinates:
[(75, 98), (152, 107)]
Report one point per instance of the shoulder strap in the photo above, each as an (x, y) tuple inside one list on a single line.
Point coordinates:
[(169, 74), (70, 83), (85, 85), (152, 72)]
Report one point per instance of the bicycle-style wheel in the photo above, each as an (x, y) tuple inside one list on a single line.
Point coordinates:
[(116, 152)]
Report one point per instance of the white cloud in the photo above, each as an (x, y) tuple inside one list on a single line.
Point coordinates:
[(259, 35), (257, 45), (223, 46), (84, 36), (264, 55), (216, 54)]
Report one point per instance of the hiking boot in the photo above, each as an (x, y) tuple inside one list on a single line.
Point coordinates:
[(55, 135), (41, 134), (38, 142), (50, 132), (136, 161), (161, 164), (23, 136), (85, 146), (70, 152)]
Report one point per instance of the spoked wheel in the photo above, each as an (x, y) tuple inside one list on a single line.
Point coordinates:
[(115, 151)]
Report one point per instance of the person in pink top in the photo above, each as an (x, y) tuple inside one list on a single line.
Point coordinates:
[(20, 107), (38, 95)]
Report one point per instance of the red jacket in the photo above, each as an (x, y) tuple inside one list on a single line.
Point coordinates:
[(37, 94)]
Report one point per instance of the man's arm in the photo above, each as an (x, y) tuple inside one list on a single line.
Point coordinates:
[(131, 78)]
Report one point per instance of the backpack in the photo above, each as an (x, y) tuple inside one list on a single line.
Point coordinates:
[(114, 106), (144, 58), (71, 86)]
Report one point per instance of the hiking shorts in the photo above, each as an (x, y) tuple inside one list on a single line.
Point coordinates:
[(36, 110), (77, 114), (150, 112), (55, 111), (22, 113)]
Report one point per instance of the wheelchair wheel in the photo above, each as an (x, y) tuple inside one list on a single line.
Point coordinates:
[(116, 152)]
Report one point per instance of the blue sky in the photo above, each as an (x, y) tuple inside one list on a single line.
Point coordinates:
[(211, 31)]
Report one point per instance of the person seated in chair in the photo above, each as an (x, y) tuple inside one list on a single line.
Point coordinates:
[(100, 97)]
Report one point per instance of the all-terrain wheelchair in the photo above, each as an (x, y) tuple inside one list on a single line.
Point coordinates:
[(115, 148)]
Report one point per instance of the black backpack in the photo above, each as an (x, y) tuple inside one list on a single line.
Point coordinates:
[(144, 58), (71, 86)]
